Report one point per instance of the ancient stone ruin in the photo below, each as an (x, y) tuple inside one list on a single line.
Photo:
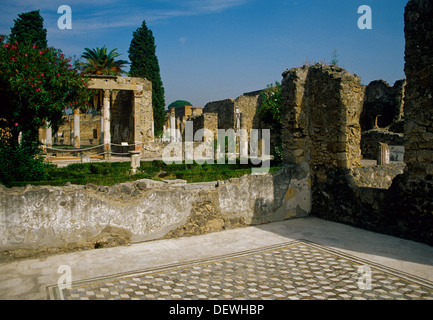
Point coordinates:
[(324, 171), (126, 116), (406, 208), (321, 108)]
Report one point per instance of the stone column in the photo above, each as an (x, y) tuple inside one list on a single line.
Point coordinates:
[(101, 127), (383, 155), (238, 120), (49, 137), (172, 125), (106, 126), (243, 139), (77, 139), (178, 129)]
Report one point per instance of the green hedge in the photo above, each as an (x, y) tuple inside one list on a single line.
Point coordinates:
[(111, 173)]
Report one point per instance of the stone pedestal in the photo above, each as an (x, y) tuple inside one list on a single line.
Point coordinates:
[(135, 161), (85, 158), (106, 117)]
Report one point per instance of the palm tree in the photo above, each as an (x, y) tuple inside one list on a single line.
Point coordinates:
[(100, 62)]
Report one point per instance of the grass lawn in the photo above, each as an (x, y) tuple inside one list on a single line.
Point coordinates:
[(109, 174)]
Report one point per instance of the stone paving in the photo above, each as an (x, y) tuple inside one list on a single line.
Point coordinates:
[(295, 270)]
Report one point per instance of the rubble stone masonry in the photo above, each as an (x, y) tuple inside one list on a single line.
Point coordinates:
[(419, 88), (321, 110)]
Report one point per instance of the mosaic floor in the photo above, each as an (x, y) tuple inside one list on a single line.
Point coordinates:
[(291, 271)]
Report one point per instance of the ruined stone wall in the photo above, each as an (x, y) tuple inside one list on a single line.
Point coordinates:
[(78, 216), (183, 112), (370, 141), (380, 177), (131, 101), (143, 113), (90, 130), (206, 121), (131, 113), (405, 209), (382, 103), (321, 110), (226, 112), (419, 88), (249, 105)]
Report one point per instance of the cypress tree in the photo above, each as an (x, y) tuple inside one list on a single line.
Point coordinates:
[(29, 27), (144, 64)]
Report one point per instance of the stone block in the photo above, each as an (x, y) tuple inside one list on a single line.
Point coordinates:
[(85, 158)]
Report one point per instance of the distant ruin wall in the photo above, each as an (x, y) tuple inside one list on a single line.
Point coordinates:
[(383, 104), (226, 113), (370, 141), (207, 121), (90, 130)]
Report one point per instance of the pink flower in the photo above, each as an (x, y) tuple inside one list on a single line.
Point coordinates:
[(40, 52), (13, 59), (34, 46), (58, 74), (16, 124), (25, 54), (6, 45), (38, 89)]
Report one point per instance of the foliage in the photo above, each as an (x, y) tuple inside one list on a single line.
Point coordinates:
[(270, 115), (144, 64), (270, 107), (100, 62), (111, 173), (179, 104), (20, 164), (29, 27), (334, 58), (36, 85)]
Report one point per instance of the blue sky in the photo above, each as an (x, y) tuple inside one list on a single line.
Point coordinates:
[(216, 49)]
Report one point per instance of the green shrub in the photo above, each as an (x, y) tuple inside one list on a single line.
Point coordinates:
[(109, 174), (20, 164)]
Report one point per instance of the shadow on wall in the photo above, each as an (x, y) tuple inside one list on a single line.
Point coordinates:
[(249, 200), (404, 210)]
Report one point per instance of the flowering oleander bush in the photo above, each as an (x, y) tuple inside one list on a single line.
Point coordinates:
[(36, 85)]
